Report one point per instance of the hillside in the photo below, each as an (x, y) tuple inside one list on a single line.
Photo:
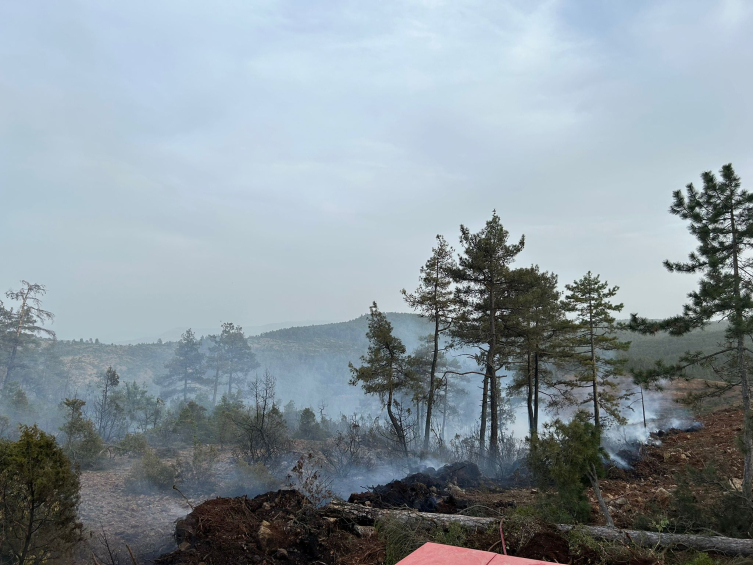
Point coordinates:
[(311, 362)]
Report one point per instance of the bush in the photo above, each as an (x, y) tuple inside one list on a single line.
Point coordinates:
[(308, 427), (133, 444), (198, 473), (706, 500), (346, 452), (149, 474), (83, 445), (564, 459), (35, 473), (307, 477)]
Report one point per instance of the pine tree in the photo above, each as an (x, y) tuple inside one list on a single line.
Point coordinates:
[(485, 289), (109, 412), (434, 300), (539, 319), (720, 217), (239, 358), (595, 346), (231, 357), (185, 370), (385, 370), (20, 326)]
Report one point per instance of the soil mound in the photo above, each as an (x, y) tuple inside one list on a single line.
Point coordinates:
[(276, 527)]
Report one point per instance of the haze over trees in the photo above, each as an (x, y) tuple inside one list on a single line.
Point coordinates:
[(431, 382)]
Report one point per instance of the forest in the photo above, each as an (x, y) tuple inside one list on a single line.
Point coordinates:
[(501, 394)]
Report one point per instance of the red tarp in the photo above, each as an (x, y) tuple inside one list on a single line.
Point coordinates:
[(437, 554)]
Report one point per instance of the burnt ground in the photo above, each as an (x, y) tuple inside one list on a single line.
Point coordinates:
[(432, 490), (276, 527), (654, 475), (281, 527), (143, 521)]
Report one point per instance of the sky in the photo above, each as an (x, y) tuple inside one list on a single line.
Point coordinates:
[(174, 164)]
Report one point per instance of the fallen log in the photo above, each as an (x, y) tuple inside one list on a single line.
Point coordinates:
[(367, 516)]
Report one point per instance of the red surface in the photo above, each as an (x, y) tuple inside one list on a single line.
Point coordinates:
[(437, 554)]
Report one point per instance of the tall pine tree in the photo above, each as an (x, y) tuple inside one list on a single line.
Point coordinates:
[(539, 319), (720, 217), (185, 371), (433, 299), (598, 362), (384, 371), (486, 286)]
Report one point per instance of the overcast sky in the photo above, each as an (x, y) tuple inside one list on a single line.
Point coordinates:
[(173, 164)]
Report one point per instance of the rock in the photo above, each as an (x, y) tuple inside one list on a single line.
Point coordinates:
[(265, 532), (662, 496), (184, 546), (365, 531), (281, 554), (736, 484), (622, 501), (456, 491)]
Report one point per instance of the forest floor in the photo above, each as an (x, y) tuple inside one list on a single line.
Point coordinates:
[(276, 528)]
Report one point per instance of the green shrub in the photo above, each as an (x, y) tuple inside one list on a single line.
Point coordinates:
[(565, 459), (149, 474), (83, 445), (705, 500), (133, 444), (35, 474)]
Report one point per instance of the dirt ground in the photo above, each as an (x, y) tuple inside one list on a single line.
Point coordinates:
[(632, 492), (145, 522)]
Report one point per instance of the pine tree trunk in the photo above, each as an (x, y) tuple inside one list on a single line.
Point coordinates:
[(747, 486), (536, 393), (529, 399), (484, 414), (432, 373), (396, 425), (493, 389), (444, 412), (594, 372), (216, 383), (594, 478)]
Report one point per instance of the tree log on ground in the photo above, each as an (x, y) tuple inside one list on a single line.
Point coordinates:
[(367, 516)]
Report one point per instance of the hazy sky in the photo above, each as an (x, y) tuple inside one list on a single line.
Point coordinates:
[(180, 163)]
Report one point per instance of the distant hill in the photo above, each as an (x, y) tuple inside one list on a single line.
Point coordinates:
[(311, 362)]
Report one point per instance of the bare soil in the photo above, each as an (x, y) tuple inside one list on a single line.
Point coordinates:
[(145, 522)]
